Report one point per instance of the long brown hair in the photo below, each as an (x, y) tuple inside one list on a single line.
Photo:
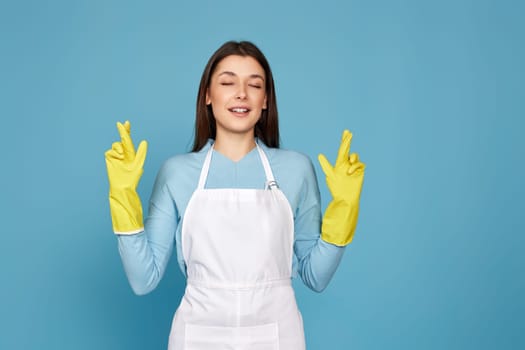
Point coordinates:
[(267, 128)]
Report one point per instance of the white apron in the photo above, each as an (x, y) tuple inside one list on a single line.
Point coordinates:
[(238, 247)]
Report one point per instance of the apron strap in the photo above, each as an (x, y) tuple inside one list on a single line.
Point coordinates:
[(270, 180), (205, 168)]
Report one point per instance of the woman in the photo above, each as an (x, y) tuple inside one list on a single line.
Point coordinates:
[(244, 215)]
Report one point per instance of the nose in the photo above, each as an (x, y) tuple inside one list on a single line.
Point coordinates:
[(241, 93)]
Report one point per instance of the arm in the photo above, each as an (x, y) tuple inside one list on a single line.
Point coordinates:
[(317, 259), (145, 250), (145, 255)]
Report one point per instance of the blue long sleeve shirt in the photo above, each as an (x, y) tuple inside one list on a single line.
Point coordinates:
[(145, 255)]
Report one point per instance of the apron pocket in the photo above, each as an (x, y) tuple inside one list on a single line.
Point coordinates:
[(264, 337)]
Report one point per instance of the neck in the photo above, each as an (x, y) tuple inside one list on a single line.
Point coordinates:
[(235, 146)]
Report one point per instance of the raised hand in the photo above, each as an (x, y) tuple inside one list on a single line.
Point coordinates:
[(125, 167), (344, 180)]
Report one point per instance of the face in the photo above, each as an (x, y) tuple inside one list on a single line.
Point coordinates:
[(237, 94)]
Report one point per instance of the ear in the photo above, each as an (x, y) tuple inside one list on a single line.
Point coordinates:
[(265, 106), (208, 101)]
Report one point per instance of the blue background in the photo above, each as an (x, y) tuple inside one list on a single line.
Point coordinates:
[(433, 92)]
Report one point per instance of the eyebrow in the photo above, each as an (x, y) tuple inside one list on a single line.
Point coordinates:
[(227, 72)]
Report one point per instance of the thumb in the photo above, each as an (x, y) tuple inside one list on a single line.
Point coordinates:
[(325, 165), (140, 156)]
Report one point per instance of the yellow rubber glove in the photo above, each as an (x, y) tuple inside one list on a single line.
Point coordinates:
[(124, 171), (344, 181)]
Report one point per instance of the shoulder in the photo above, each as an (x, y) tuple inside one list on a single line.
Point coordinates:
[(295, 174), (182, 166), (291, 166), (184, 161), (289, 159)]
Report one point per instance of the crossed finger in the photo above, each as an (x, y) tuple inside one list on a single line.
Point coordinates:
[(125, 139), (344, 149), (356, 168)]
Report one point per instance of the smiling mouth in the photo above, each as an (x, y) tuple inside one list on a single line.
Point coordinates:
[(239, 110)]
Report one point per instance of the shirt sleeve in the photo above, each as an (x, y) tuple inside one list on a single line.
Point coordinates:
[(145, 255), (317, 259)]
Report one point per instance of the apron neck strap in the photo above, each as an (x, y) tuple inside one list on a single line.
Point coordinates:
[(270, 180)]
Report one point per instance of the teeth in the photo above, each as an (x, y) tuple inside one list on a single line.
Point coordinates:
[(240, 110)]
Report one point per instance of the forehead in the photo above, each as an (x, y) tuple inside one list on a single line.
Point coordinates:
[(239, 65)]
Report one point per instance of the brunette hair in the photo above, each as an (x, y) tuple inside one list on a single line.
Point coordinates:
[(267, 128)]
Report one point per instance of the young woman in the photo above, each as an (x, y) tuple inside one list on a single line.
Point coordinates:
[(243, 214)]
